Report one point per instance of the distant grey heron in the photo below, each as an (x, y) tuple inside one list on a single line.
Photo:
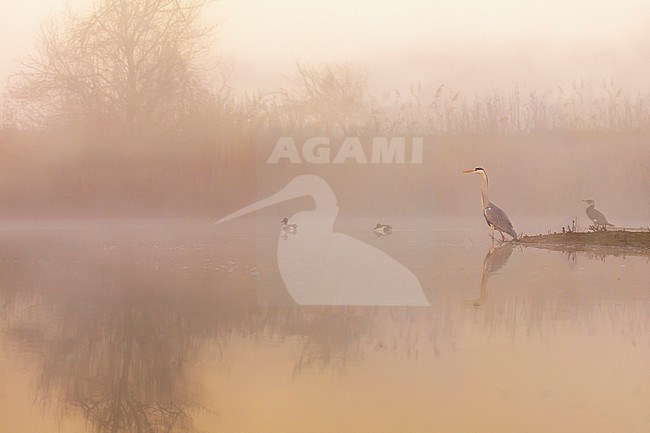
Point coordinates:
[(496, 218), (597, 217)]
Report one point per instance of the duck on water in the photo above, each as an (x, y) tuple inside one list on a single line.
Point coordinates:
[(383, 229), (289, 228)]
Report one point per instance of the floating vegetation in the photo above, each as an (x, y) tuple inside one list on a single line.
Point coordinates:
[(613, 241)]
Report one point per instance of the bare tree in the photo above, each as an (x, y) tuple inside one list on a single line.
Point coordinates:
[(333, 97), (126, 61)]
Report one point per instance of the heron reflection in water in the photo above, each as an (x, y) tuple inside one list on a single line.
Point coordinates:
[(321, 267), (495, 259)]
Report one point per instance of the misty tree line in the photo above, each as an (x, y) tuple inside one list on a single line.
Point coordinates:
[(118, 99), (135, 65)]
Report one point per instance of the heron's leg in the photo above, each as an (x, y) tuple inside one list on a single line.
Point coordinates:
[(478, 302), (492, 233), (502, 238)]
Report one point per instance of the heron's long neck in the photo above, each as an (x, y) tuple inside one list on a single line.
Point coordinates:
[(484, 196)]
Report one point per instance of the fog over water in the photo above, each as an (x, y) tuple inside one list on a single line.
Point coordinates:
[(133, 323)]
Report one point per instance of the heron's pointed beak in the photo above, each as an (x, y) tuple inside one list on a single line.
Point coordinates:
[(286, 193), (469, 171)]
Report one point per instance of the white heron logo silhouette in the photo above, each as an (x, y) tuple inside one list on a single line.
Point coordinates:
[(320, 267)]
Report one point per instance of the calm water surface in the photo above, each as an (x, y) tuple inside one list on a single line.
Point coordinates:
[(164, 326)]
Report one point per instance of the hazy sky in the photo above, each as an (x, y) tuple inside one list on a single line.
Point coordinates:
[(467, 44)]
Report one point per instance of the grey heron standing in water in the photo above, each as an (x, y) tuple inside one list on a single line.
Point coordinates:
[(597, 217), (494, 215)]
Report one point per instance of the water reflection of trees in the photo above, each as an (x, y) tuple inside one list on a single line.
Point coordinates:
[(124, 367), (112, 342), (115, 342), (332, 336), (120, 358)]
